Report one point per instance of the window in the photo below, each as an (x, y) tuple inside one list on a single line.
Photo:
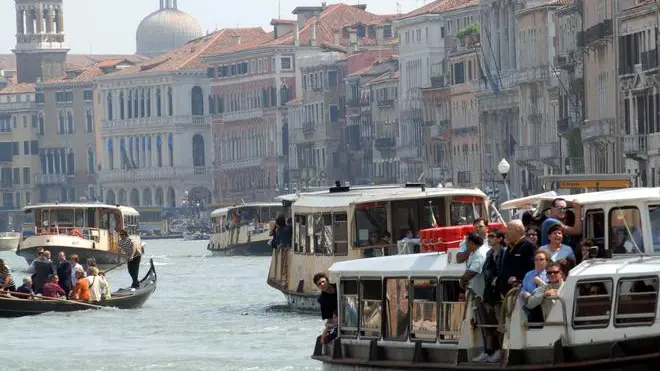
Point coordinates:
[(34, 147), (654, 216), (301, 240), (348, 308), (340, 232), (452, 309), (593, 304), (371, 307), (17, 176), (26, 175), (323, 234), (286, 63), (332, 79), (459, 73), (424, 317), (88, 95), (26, 147), (14, 148), (334, 113), (370, 223), (626, 231), (637, 302), (39, 98), (465, 209), (397, 322), (89, 122)]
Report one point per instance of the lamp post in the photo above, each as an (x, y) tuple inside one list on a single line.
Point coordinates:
[(503, 167)]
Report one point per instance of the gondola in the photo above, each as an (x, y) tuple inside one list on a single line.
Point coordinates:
[(123, 298)]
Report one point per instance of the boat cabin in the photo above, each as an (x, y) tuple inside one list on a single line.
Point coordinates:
[(255, 214)]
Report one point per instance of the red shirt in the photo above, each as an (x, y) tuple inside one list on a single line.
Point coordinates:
[(52, 290)]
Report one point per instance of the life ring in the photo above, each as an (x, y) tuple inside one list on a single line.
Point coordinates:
[(75, 232)]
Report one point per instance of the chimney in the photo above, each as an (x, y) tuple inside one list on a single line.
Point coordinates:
[(236, 39), (314, 26), (352, 36), (296, 36)]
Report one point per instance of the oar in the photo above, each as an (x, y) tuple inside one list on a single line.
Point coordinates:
[(56, 299), (116, 266)]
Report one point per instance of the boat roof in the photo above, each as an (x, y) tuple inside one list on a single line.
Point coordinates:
[(431, 264), (81, 205), (622, 196), (225, 210), (621, 265), (327, 201), (294, 196), (527, 201)]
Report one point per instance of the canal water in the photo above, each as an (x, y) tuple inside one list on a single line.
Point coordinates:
[(208, 313)]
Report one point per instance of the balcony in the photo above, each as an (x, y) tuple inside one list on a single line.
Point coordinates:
[(650, 59), (566, 124), (308, 128), (385, 144), (353, 103), (53, 179), (635, 146), (526, 154), (466, 131), (598, 32), (574, 165), (464, 177), (597, 129), (196, 173), (548, 150), (242, 115), (386, 103)]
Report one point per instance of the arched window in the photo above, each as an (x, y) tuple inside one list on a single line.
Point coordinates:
[(211, 104), (136, 111), (70, 163), (130, 104), (158, 103), (109, 106), (142, 103), (197, 101), (44, 163), (111, 155), (159, 151), (146, 197), (170, 106), (91, 160), (69, 122), (121, 105), (199, 157), (170, 145), (89, 122), (148, 102), (61, 123)]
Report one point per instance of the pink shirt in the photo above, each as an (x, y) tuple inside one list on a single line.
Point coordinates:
[(52, 290)]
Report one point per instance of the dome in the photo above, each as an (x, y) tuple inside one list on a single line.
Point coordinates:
[(164, 30)]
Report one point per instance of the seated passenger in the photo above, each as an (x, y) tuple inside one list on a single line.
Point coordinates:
[(52, 289), (541, 296), (26, 287), (97, 285), (586, 246), (107, 294), (529, 283), (81, 288), (559, 251)]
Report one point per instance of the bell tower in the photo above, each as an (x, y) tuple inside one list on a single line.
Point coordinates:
[(40, 49)]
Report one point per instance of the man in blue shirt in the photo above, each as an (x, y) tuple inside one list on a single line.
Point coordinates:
[(481, 227), (558, 216)]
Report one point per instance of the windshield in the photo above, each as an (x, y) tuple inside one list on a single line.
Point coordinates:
[(370, 223), (464, 210)]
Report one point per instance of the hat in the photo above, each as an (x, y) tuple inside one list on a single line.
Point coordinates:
[(27, 280)]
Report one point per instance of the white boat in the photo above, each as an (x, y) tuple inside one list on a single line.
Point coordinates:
[(243, 229), (195, 236), (345, 223), (9, 241), (89, 230), (403, 313)]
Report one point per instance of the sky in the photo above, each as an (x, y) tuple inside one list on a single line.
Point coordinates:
[(108, 27)]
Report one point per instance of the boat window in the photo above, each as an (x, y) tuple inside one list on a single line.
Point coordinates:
[(397, 316), (414, 215), (79, 216), (626, 231), (370, 224), (424, 310), (323, 233), (593, 304), (464, 210), (594, 227), (340, 232), (637, 302), (349, 305), (91, 218), (371, 307), (300, 240), (452, 309), (62, 217), (654, 215)]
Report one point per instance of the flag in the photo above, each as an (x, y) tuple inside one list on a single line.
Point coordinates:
[(432, 220)]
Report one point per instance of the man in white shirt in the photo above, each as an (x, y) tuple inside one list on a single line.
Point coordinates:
[(481, 227)]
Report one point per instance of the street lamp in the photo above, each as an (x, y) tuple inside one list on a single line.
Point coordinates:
[(503, 167)]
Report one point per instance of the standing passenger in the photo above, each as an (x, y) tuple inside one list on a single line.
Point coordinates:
[(131, 250), (64, 272)]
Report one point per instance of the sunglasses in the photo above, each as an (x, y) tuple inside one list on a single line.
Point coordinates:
[(552, 272), (560, 208)]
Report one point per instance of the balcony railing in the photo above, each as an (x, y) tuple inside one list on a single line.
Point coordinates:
[(635, 144), (385, 144), (575, 165), (242, 115), (594, 129), (52, 179), (386, 103), (527, 153), (549, 150), (308, 127), (353, 103), (157, 173)]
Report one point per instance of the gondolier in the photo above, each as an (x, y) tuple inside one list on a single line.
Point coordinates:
[(134, 255)]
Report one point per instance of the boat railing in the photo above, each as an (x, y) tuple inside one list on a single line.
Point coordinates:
[(87, 233), (452, 315), (379, 250)]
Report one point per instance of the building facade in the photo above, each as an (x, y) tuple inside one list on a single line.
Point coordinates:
[(385, 120)]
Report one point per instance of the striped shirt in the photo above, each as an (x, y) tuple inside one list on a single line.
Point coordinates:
[(127, 247), (3, 275)]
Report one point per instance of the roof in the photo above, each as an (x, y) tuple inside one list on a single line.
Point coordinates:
[(421, 265), (341, 200), (164, 30), (18, 89), (615, 197), (86, 205), (188, 56), (364, 61), (275, 21), (387, 76), (8, 61), (225, 210), (441, 6), (334, 18), (637, 265), (527, 201), (90, 73)]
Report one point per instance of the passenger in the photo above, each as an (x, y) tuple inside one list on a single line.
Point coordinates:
[(559, 251), (107, 294), (287, 234), (75, 266), (81, 288), (328, 297), (558, 216), (39, 251), (280, 223), (6, 279), (43, 268), (473, 281), (586, 246), (91, 262), (531, 281), (481, 228), (532, 235), (64, 273), (26, 287), (543, 294), (52, 289), (134, 255), (97, 286), (492, 299), (518, 258)]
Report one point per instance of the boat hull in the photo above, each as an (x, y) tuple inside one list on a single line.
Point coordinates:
[(256, 248), (103, 258), (121, 299)]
